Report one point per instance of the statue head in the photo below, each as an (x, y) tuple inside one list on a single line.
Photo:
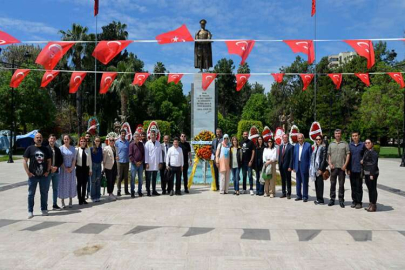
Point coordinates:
[(203, 22)]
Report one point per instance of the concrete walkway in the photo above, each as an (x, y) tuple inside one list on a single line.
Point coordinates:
[(204, 230)]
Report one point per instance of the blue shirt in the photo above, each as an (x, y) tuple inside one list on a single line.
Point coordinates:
[(98, 156), (356, 154), (122, 150)]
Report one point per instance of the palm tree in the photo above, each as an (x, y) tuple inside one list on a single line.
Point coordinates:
[(123, 84), (76, 55)]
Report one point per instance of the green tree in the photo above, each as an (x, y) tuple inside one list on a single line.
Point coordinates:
[(256, 108)]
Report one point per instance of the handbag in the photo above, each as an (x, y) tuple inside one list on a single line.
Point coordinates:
[(326, 175), (103, 180), (265, 173)]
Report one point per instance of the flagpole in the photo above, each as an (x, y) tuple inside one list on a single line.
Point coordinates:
[(95, 77), (315, 90)]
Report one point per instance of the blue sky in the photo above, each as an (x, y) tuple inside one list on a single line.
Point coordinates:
[(254, 19)]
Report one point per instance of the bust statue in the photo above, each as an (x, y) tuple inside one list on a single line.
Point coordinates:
[(203, 50)]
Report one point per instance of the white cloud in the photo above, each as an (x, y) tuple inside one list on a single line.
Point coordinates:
[(27, 26)]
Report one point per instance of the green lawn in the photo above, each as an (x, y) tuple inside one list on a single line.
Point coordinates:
[(5, 158), (389, 152)]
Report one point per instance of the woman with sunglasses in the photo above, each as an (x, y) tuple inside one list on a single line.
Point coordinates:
[(83, 169), (317, 168), (258, 165), (110, 166), (96, 158), (371, 172), (270, 159)]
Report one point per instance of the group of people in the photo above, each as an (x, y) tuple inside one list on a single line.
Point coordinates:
[(77, 171), (316, 163)]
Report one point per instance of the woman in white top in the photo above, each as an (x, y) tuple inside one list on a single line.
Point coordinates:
[(270, 159), (83, 169)]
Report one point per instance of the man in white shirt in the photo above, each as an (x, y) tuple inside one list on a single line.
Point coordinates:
[(164, 175), (175, 163), (153, 162)]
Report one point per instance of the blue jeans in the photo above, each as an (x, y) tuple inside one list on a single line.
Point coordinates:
[(136, 170), (247, 169), (54, 178), (302, 182), (235, 178), (44, 183), (96, 181), (259, 187), (89, 185)]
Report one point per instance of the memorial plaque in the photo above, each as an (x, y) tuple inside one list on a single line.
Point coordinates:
[(203, 107)]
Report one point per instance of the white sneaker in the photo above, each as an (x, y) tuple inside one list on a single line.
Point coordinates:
[(221, 192), (45, 213), (271, 196), (266, 195), (112, 197), (252, 193), (30, 215)]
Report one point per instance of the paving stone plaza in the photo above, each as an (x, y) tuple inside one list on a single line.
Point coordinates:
[(204, 230)]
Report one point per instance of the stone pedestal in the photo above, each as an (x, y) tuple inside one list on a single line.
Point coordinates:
[(204, 106)]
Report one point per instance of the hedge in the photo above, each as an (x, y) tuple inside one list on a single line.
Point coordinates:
[(164, 127), (245, 125)]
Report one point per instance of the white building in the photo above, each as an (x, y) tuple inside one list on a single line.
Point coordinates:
[(340, 59)]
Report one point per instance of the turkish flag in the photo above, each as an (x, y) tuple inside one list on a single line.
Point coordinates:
[(313, 8), (18, 77), (75, 81), (364, 77), (52, 53), (106, 81), (241, 48), (174, 77), (48, 77), (207, 79), (140, 78), (306, 80), (336, 78), (241, 80), (181, 34), (107, 50), (95, 7), (303, 46), (397, 76), (278, 77), (363, 48), (7, 39)]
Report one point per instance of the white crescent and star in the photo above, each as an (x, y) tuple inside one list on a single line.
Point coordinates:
[(209, 77), (243, 47), (49, 75), (243, 78), (108, 79), (397, 75), (2, 42), (303, 42), (113, 49), (58, 48), (360, 45), (18, 74), (307, 77), (77, 77)]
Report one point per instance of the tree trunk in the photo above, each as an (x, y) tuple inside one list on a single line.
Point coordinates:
[(124, 103)]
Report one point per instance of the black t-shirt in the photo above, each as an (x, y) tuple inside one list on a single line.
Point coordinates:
[(247, 148), (186, 148), (38, 157)]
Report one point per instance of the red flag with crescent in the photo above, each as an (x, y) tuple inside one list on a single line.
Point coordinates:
[(278, 77), (363, 48), (140, 78), (241, 48), (181, 34), (313, 11), (75, 81), (336, 78), (18, 77), (52, 53), (241, 80), (397, 76), (174, 77), (207, 79), (106, 81), (364, 77), (7, 39), (303, 46), (107, 50), (48, 77), (306, 80)]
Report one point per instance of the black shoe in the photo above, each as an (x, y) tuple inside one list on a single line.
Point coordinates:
[(56, 207), (118, 193), (164, 192), (288, 197), (148, 194), (186, 191), (353, 205), (331, 202), (283, 196), (342, 204), (140, 194), (84, 202), (305, 200), (80, 203), (316, 202), (298, 199), (155, 193), (127, 193), (178, 193), (171, 193), (132, 194), (359, 206)]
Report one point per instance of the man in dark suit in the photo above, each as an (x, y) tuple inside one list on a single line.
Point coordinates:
[(302, 160), (285, 165), (214, 147), (164, 174)]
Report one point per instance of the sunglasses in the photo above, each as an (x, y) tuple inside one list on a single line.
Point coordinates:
[(318, 139)]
